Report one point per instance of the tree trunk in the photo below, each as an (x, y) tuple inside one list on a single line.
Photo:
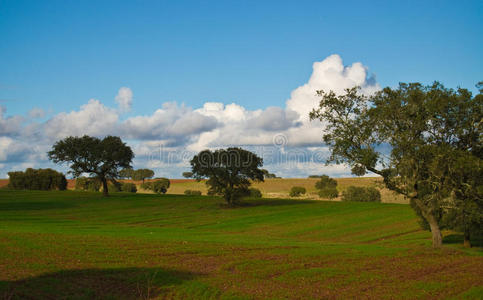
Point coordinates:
[(466, 241), (433, 224), (435, 231), (105, 191)]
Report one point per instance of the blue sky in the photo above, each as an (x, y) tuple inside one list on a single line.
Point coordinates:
[(56, 55)]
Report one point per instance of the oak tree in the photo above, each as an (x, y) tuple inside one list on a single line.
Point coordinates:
[(402, 134), (100, 158), (229, 171)]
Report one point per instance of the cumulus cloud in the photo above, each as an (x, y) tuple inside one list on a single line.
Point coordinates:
[(274, 119), (169, 122), (182, 130), (124, 99), (93, 119), (329, 75)]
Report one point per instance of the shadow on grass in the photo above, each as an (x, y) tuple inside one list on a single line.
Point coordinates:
[(34, 205), (123, 283), (457, 238)]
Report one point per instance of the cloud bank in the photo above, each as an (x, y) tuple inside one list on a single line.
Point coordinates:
[(182, 131)]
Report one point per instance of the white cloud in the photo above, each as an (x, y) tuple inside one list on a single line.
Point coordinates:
[(124, 99), (169, 122), (36, 113), (274, 119), (329, 75), (93, 119)]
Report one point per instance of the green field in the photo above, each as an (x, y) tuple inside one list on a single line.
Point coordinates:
[(79, 245)]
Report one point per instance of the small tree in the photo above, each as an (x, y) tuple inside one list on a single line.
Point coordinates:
[(187, 174), (229, 171), (142, 174), (101, 158), (327, 187), (296, 191), (159, 186), (126, 173)]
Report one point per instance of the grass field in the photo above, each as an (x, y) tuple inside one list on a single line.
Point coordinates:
[(78, 245)]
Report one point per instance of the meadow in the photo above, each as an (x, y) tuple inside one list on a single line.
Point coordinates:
[(79, 245)]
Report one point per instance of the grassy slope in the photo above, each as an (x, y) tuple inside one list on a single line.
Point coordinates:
[(139, 246), (280, 188)]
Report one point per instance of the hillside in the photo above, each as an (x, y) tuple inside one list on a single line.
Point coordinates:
[(274, 188)]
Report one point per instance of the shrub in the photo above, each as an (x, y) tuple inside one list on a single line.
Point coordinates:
[(192, 193), (146, 186), (87, 184), (114, 186), (297, 191), (160, 185), (325, 182), (361, 194), (128, 187), (328, 193), (37, 179), (255, 193)]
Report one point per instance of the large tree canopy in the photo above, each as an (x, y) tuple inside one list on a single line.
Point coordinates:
[(229, 171), (101, 158), (404, 135)]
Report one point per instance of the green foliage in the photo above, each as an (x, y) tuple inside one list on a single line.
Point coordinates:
[(463, 209), (142, 174), (128, 187), (229, 171), (115, 186), (37, 179), (254, 193), (159, 186), (101, 158), (327, 187), (422, 125), (325, 182), (187, 174), (192, 193), (87, 184), (328, 193), (296, 191), (361, 194), (126, 173), (315, 176), (267, 174)]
